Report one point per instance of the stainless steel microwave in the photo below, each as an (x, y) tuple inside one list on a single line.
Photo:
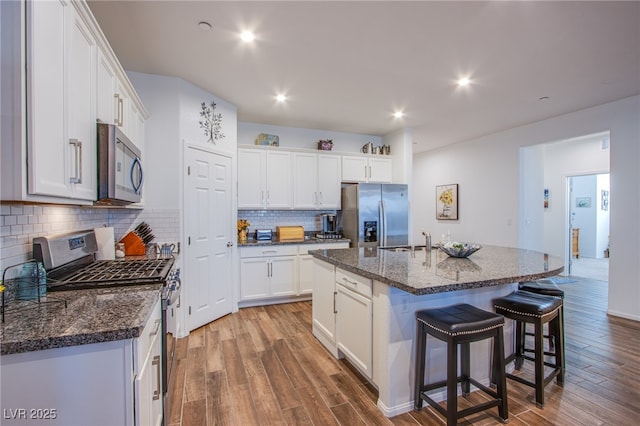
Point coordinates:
[(120, 174)]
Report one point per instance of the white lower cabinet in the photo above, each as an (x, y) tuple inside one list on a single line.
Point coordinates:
[(305, 263), (343, 315), (268, 271), (109, 383), (324, 304), (354, 320), (148, 373)]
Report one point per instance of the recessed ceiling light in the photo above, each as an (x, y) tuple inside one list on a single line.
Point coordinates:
[(247, 36), (398, 114), (464, 81), (204, 26), (281, 98)]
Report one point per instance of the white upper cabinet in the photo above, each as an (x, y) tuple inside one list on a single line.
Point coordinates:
[(316, 181), (115, 103), (61, 141), (264, 179), (106, 89), (71, 77), (366, 169)]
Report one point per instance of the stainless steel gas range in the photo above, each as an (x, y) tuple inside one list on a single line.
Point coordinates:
[(69, 260)]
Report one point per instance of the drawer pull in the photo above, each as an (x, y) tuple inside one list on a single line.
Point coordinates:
[(154, 332)]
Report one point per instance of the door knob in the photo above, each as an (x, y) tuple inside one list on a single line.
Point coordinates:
[(229, 244)]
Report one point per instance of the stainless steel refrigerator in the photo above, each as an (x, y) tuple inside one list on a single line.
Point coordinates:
[(375, 214)]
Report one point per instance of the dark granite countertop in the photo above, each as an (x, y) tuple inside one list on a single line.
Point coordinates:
[(428, 272), (91, 316)]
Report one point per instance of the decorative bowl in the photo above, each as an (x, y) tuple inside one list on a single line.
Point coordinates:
[(455, 249)]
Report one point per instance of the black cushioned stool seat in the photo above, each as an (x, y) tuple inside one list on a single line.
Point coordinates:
[(537, 309), (460, 325)]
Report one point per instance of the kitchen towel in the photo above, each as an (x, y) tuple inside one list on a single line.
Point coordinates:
[(106, 243)]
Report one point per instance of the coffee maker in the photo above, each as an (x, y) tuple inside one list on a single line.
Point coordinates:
[(329, 226)]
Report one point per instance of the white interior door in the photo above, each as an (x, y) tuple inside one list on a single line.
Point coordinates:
[(208, 212)]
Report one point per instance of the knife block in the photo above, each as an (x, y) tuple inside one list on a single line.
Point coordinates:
[(133, 245)]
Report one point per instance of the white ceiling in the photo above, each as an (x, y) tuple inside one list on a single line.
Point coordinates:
[(347, 66)]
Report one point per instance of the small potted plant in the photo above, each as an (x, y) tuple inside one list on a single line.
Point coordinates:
[(243, 225)]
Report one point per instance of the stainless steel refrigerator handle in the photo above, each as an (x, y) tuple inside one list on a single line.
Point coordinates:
[(383, 223)]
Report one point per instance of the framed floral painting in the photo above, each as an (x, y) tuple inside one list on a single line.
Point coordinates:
[(447, 202)]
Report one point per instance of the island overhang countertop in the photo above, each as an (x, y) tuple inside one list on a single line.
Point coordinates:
[(422, 272)]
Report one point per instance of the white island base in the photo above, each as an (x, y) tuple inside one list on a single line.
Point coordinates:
[(394, 331)]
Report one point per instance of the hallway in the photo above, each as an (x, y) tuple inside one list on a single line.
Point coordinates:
[(592, 268)]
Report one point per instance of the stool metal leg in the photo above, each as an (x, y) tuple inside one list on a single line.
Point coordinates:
[(559, 350), (420, 364), (452, 383), (501, 378), (465, 368), (539, 362), (519, 352)]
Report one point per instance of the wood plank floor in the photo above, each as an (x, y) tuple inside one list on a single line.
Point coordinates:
[(262, 366)]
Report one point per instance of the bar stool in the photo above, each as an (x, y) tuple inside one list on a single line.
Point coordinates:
[(529, 308), (460, 325), (549, 288)]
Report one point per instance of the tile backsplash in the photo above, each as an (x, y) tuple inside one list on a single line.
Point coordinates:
[(20, 223), (269, 219)]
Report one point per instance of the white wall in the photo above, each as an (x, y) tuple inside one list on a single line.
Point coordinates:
[(488, 172)]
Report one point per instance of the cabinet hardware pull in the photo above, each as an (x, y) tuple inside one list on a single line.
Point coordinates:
[(335, 293), (321, 201), (154, 332), (119, 120), (77, 151), (156, 362), (354, 283)]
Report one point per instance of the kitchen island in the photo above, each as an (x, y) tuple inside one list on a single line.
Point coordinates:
[(365, 299)]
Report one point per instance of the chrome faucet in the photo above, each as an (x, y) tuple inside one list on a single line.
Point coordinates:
[(427, 238)]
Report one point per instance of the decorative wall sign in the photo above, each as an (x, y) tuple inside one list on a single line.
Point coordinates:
[(447, 202), (546, 198), (211, 122), (605, 200), (583, 202)]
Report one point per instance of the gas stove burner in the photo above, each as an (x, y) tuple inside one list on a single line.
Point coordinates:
[(328, 236), (113, 273)]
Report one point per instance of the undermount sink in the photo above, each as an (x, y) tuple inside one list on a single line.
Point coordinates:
[(403, 248)]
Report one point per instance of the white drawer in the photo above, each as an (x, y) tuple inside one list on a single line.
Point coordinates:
[(150, 331), (361, 285), (269, 251), (305, 248)]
